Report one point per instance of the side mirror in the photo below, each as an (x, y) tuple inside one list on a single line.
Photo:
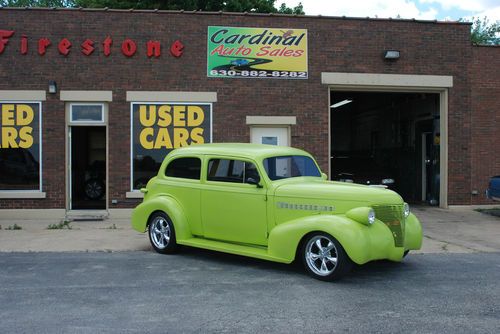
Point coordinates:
[(253, 180), (324, 176)]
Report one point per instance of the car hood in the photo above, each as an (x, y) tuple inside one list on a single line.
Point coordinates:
[(343, 195)]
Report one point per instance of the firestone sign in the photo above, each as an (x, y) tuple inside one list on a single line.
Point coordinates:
[(65, 46)]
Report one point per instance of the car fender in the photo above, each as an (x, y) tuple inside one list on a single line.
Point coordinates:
[(166, 204), (413, 233), (362, 243)]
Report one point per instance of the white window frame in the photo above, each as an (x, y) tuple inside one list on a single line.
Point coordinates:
[(101, 121), (31, 193), (135, 193)]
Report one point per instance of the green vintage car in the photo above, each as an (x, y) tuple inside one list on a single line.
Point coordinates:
[(272, 203)]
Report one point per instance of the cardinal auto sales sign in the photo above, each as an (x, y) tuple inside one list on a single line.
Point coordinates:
[(86, 46), (243, 52)]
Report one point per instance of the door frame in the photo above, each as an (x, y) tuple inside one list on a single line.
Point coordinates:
[(271, 122), (287, 135), (69, 125)]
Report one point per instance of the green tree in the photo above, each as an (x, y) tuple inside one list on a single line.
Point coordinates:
[(256, 6), (36, 3), (298, 10), (483, 32)]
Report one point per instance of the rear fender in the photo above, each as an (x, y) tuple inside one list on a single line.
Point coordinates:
[(166, 204)]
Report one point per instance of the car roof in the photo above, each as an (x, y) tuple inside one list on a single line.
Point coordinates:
[(247, 150)]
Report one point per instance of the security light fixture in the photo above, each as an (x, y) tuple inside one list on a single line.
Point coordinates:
[(391, 54), (341, 103), (52, 87)]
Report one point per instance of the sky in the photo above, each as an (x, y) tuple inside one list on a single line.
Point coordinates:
[(441, 10)]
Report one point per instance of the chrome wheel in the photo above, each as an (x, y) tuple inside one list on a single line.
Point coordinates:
[(160, 232), (324, 257), (321, 255)]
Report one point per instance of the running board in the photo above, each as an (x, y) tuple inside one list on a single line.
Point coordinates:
[(231, 248)]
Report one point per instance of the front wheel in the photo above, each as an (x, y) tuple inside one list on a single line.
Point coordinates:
[(324, 257), (162, 233)]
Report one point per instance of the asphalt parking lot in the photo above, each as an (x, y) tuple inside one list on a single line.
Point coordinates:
[(103, 277), (199, 291)]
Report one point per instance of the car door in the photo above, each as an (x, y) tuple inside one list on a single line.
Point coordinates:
[(233, 209)]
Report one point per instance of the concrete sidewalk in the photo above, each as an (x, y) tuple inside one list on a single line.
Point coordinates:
[(458, 230)]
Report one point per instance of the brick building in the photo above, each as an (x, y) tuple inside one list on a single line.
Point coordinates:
[(93, 99)]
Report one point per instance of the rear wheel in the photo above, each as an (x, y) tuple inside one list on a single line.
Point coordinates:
[(324, 257), (162, 233)]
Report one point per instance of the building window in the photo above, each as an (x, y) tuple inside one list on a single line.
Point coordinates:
[(20, 146), (87, 113), (186, 168), (158, 128)]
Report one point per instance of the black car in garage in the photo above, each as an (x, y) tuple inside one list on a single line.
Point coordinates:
[(362, 169)]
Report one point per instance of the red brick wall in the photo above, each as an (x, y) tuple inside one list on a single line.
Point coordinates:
[(335, 45), (485, 132)]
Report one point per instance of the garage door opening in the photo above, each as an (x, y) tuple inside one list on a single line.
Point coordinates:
[(387, 138)]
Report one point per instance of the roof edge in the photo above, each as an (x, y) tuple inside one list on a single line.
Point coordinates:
[(199, 12)]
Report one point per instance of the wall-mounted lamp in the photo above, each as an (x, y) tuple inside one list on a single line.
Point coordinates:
[(341, 103), (52, 87), (391, 54)]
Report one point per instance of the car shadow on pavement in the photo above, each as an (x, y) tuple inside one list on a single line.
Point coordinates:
[(375, 270), (235, 260)]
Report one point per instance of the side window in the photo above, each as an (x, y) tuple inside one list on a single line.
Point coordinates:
[(235, 171), (186, 168)]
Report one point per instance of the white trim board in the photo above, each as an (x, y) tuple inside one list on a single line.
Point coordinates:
[(148, 96), (386, 80), (23, 95), (271, 120), (86, 95)]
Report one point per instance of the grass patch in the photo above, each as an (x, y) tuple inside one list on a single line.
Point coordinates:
[(14, 227), (493, 212), (61, 226)]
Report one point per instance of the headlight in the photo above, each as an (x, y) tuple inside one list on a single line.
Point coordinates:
[(371, 217), (387, 181), (406, 210), (363, 215)]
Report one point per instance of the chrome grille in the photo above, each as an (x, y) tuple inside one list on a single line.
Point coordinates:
[(392, 216)]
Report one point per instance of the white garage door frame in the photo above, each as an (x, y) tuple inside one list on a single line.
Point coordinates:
[(408, 83)]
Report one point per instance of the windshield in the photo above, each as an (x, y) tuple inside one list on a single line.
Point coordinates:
[(290, 166)]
